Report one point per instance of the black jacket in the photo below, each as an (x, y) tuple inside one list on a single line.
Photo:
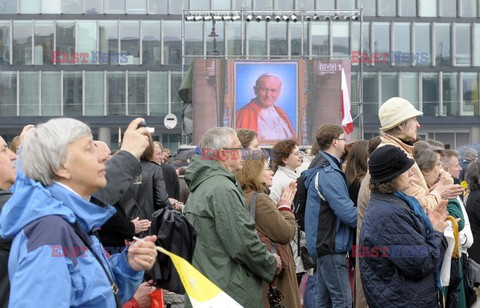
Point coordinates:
[(171, 181), (142, 199), (122, 168), (397, 278), (473, 212), (4, 252)]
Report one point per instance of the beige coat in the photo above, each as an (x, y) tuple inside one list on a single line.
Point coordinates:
[(279, 227)]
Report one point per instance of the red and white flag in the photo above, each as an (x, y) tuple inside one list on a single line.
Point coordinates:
[(347, 121)]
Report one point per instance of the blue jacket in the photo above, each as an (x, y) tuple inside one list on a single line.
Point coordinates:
[(48, 264), (330, 214), (403, 275)]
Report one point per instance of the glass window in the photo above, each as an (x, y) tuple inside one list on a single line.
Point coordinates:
[(463, 55), (427, 8), (369, 7), (296, 34), (8, 93), (389, 86), (234, 38), (22, 42), (238, 4), (158, 93), (409, 87), (451, 103), (277, 33), (462, 139), (177, 103), (94, 93), (93, 6), (449, 8), (115, 6), (340, 38), (87, 41), (408, 8), (172, 43), (263, 4), (175, 6), (30, 6), (319, 37), (136, 6), (4, 42), (29, 93), (430, 94), (256, 39), (387, 8), (370, 94), (151, 42), (283, 5), (470, 94), (356, 41), (44, 30), (193, 41), (115, 93), (381, 45), (8, 7), (65, 41), (72, 93), (157, 7), (476, 41), (219, 39), (220, 5), (108, 43), (72, 6), (469, 8), (325, 4), (200, 5), (401, 54), (346, 4), (137, 93), (422, 44), (130, 41), (51, 94), (305, 4), (51, 7), (442, 44)]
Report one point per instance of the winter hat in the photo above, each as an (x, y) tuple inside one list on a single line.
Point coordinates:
[(395, 111), (387, 162)]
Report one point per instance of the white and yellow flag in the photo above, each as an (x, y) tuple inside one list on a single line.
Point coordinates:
[(202, 292)]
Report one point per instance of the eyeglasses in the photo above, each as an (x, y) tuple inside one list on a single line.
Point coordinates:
[(344, 139)]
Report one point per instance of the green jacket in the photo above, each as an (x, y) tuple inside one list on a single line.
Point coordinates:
[(228, 250)]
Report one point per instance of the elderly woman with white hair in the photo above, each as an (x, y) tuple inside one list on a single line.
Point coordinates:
[(56, 259)]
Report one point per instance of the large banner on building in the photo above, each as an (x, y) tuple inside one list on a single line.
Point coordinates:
[(277, 99)]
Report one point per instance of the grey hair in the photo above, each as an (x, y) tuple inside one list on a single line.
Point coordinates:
[(473, 176), (426, 159), (217, 138), (46, 147), (267, 75)]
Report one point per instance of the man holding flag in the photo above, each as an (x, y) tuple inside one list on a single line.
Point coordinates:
[(228, 251)]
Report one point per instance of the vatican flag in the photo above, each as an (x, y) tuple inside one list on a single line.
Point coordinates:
[(201, 291)]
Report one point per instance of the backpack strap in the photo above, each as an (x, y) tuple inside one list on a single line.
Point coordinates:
[(84, 237)]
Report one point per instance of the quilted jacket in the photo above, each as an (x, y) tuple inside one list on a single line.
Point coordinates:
[(403, 275)]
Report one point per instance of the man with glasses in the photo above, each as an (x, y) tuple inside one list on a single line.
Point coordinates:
[(227, 251), (330, 217)]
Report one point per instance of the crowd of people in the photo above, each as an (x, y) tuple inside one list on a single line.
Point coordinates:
[(385, 222)]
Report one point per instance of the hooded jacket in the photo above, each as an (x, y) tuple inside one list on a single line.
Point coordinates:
[(330, 215), (228, 251), (49, 265)]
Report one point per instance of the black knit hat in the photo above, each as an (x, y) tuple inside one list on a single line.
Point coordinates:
[(387, 162)]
